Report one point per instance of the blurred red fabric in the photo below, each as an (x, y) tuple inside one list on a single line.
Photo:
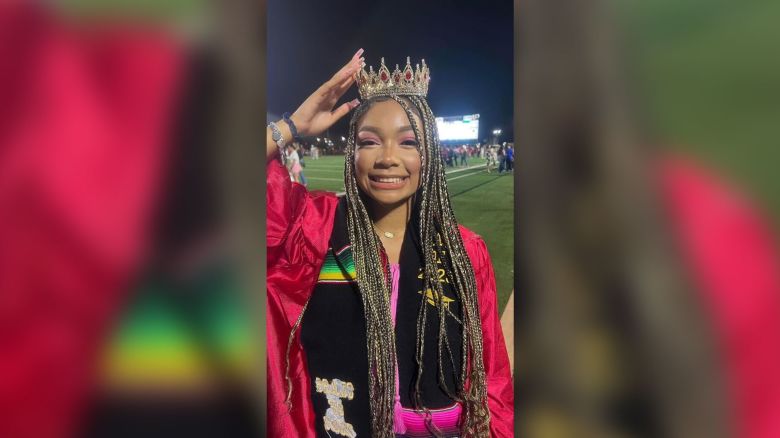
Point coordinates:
[(84, 119), (732, 258)]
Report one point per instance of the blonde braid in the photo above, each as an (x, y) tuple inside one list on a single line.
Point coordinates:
[(437, 220)]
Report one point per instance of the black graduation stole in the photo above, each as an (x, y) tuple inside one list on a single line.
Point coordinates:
[(333, 335)]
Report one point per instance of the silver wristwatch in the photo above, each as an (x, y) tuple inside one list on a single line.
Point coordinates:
[(276, 135)]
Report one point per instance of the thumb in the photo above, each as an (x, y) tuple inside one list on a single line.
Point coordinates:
[(344, 109)]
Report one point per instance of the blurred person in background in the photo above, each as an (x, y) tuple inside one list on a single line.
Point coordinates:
[(293, 163), (301, 153), (491, 158), (450, 156), (510, 158), (652, 294)]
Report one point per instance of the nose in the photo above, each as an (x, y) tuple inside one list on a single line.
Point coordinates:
[(388, 155)]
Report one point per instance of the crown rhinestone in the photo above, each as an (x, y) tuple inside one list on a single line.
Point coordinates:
[(410, 81)]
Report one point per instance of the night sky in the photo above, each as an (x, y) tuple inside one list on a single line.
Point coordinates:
[(466, 44)]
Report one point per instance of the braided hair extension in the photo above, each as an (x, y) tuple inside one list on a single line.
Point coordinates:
[(437, 225)]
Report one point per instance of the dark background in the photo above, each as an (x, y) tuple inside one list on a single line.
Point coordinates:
[(468, 46)]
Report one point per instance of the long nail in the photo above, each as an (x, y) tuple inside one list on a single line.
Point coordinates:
[(354, 103), (358, 53)]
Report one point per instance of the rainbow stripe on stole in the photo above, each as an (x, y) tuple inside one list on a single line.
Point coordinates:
[(339, 267)]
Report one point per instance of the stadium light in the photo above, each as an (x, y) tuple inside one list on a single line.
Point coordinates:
[(343, 139)]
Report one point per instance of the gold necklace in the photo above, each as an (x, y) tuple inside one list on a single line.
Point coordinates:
[(387, 234)]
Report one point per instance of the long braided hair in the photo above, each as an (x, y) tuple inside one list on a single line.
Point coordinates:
[(437, 225)]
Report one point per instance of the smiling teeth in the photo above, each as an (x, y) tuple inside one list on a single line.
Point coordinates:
[(389, 180)]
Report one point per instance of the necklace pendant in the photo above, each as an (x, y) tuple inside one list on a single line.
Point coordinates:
[(389, 235)]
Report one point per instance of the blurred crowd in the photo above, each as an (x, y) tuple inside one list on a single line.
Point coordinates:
[(497, 158)]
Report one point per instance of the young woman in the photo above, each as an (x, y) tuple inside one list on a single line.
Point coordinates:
[(382, 317)]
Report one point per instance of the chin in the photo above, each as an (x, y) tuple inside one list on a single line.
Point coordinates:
[(389, 200)]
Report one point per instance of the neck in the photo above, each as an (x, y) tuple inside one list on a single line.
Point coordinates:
[(391, 218)]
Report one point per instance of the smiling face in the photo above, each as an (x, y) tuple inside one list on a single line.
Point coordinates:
[(387, 159)]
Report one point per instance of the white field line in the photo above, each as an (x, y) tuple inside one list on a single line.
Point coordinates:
[(323, 172), (464, 169), (324, 179), (462, 176)]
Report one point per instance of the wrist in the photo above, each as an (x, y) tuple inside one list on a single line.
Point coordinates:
[(301, 127), (293, 125), (287, 136)]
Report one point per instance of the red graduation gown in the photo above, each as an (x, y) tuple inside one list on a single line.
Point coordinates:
[(298, 229)]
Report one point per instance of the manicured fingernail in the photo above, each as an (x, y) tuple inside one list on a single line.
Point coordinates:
[(358, 53), (355, 102)]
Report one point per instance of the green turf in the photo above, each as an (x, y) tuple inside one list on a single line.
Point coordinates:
[(483, 202), (150, 9), (706, 73)]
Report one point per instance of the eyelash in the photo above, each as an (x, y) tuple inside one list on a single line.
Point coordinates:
[(369, 142), (363, 143)]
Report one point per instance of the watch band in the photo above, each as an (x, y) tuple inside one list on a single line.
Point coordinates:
[(276, 135)]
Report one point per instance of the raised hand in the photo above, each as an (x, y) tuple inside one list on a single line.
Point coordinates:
[(316, 113)]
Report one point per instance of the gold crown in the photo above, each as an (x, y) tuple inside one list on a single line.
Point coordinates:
[(383, 83)]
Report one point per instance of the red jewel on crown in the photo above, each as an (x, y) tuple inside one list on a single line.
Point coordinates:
[(410, 81)]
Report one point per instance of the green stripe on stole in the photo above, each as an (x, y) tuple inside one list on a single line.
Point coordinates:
[(338, 267)]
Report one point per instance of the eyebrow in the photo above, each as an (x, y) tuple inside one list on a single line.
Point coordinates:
[(378, 131)]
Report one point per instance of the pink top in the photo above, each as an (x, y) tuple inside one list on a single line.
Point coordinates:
[(409, 422)]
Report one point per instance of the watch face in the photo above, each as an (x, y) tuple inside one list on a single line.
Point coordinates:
[(276, 135)]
